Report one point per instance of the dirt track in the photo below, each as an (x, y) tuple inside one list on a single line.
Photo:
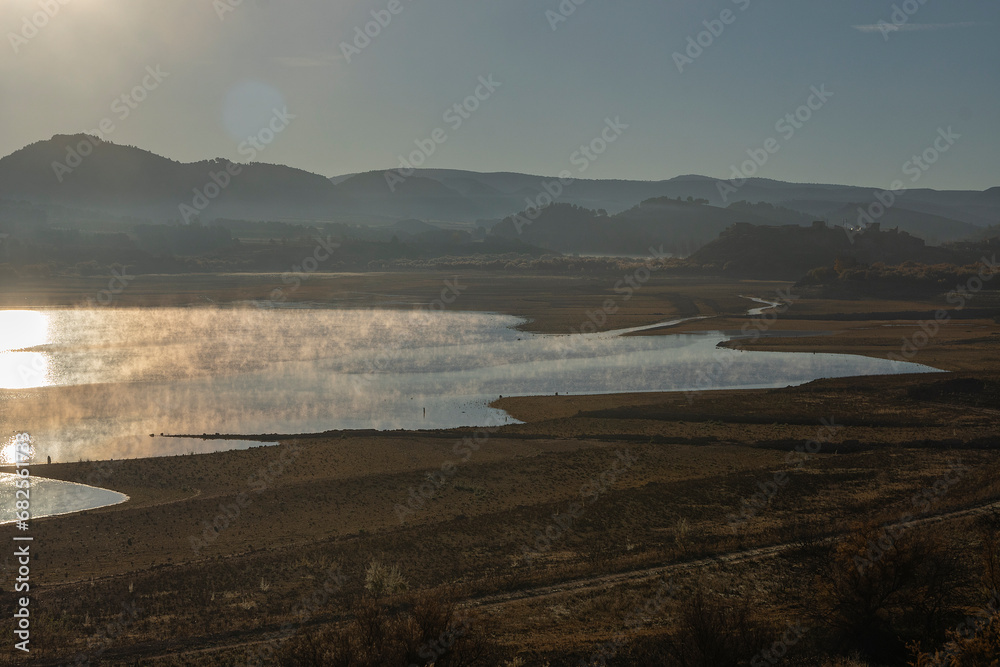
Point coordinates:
[(182, 648)]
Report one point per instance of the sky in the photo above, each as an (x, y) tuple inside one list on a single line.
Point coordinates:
[(693, 87)]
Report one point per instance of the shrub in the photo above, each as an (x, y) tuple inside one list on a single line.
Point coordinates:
[(382, 580), (712, 632), (975, 644), (885, 587), (426, 630)]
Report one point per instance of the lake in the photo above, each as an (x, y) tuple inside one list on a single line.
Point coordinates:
[(96, 383), (50, 497)]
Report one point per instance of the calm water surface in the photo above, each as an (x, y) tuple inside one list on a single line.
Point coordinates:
[(95, 383), (49, 497)]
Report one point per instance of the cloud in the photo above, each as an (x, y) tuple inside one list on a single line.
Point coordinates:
[(885, 27)]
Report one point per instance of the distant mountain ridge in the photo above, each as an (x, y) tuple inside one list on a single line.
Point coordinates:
[(979, 208), (129, 182)]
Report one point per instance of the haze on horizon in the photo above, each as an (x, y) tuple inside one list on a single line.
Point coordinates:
[(230, 64)]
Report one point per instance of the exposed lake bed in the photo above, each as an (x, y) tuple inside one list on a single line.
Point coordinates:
[(334, 497)]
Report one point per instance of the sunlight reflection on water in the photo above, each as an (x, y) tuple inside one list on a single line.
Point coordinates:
[(21, 329), (50, 497), (114, 377)]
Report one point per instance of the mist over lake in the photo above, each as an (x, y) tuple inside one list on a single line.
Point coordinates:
[(96, 383)]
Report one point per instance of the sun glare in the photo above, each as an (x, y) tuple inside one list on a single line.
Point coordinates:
[(8, 453), (20, 329)]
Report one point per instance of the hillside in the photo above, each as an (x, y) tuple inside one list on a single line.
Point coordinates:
[(78, 178), (815, 201), (789, 252), (679, 226), (128, 181), (369, 195), (934, 229)]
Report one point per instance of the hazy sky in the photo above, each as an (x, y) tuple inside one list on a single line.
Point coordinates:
[(892, 88)]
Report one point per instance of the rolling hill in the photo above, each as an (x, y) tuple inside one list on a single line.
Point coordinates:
[(788, 252), (72, 178), (680, 227), (128, 181)]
